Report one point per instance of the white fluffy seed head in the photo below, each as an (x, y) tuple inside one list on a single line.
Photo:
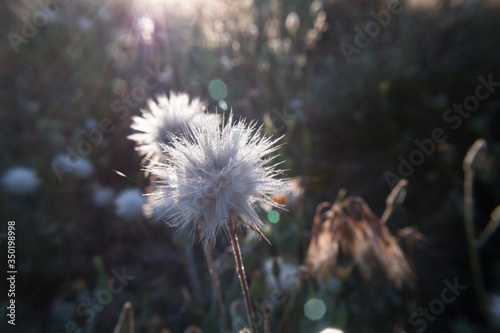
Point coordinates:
[(218, 173), (163, 119), (20, 180)]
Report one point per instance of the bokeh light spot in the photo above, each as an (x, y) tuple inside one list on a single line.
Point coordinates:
[(146, 27), (217, 89), (314, 309), (223, 105), (273, 216)]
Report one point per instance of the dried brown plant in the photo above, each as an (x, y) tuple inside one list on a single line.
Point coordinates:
[(348, 236)]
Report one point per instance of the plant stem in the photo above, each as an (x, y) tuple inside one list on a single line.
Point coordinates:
[(126, 320), (267, 324), (216, 284), (386, 215), (475, 266), (487, 232), (241, 274)]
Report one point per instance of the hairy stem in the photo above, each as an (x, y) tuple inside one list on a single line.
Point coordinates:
[(241, 274), (267, 324)]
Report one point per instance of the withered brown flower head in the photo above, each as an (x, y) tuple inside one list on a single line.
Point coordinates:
[(349, 236)]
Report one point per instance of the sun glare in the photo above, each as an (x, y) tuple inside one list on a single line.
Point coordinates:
[(146, 27)]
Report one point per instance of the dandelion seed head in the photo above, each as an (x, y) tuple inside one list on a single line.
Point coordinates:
[(20, 180), (163, 119), (156, 207), (216, 173)]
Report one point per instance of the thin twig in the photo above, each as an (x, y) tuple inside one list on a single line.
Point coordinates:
[(241, 275), (487, 232), (395, 199), (475, 266), (477, 276), (267, 324), (386, 215), (490, 228), (126, 320)]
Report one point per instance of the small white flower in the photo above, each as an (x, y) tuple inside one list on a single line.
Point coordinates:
[(129, 204), (218, 173), (169, 116), (81, 167), (20, 180)]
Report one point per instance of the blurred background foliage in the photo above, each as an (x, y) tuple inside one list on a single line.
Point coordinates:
[(280, 62)]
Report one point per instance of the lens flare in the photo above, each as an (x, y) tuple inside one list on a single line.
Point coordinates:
[(273, 216), (146, 27), (217, 89), (314, 309)]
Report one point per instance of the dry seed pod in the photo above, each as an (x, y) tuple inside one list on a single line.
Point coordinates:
[(349, 236)]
